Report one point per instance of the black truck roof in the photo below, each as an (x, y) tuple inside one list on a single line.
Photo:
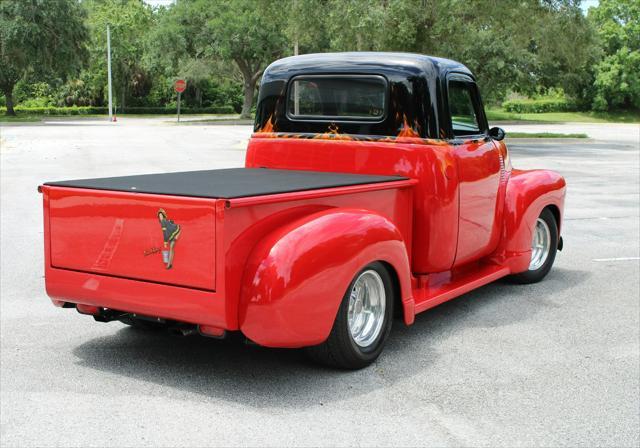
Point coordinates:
[(226, 183), (394, 64), (415, 84)]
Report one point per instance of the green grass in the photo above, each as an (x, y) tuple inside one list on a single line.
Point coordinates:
[(19, 118), (494, 114), (22, 117), (219, 120), (544, 135), (174, 116)]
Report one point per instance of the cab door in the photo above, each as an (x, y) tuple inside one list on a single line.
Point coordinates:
[(479, 170)]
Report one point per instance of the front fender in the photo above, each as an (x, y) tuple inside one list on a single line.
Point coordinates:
[(296, 276), (527, 194)]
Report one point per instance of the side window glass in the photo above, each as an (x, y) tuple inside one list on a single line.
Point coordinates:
[(464, 120)]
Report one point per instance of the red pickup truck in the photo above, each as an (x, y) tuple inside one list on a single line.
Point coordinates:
[(373, 186)]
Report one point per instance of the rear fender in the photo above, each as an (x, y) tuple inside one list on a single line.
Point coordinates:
[(527, 194), (296, 276)]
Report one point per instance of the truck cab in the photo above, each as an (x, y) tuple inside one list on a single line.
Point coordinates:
[(372, 182)]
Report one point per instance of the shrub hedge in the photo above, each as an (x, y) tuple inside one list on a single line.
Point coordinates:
[(538, 106), (91, 110)]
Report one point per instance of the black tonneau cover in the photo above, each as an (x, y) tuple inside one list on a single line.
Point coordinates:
[(226, 183)]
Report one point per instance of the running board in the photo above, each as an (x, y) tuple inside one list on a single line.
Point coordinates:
[(434, 289)]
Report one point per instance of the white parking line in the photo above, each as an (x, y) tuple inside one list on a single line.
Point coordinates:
[(617, 259)]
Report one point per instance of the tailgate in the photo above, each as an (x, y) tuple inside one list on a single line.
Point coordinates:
[(156, 238)]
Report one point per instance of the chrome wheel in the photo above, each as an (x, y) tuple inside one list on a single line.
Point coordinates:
[(540, 245), (366, 311)]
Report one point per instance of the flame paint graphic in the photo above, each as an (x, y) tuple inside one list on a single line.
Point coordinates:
[(407, 134), (268, 126), (333, 133), (406, 130), (347, 137)]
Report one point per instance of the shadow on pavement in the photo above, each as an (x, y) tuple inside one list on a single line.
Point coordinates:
[(260, 377)]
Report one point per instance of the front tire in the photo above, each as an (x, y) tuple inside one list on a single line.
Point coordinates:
[(544, 246), (363, 321)]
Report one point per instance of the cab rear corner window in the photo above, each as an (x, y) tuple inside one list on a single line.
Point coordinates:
[(357, 98)]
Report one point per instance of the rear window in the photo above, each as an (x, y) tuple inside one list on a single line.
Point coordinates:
[(358, 98)]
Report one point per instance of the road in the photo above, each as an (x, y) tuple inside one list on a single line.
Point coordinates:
[(551, 364)]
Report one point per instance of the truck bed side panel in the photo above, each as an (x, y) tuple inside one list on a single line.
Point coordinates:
[(245, 225)]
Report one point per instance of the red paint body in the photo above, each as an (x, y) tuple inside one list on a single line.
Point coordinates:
[(277, 266)]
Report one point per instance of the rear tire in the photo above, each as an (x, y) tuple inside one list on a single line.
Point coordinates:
[(363, 321), (544, 247)]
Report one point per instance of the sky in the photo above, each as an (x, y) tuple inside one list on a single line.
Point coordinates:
[(586, 4), (159, 2)]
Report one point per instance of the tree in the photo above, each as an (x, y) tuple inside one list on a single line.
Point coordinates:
[(355, 25), (617, 79), (196, 39), (558, 64), (179, 46), (249, 33), (41, 37), (520, 48), (129, 21), (509, 44), (222, 46), (305, 32), (492, 40)]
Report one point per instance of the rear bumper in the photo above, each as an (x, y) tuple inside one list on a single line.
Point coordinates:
[(133, 296)]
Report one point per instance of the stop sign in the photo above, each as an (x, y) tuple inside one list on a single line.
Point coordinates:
[(180, 85)]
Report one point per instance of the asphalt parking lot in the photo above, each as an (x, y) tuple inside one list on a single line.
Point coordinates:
[(551, 364)]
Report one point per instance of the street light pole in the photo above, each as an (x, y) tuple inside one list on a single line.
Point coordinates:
[(109, 71)]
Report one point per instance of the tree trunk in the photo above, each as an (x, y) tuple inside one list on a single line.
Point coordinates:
[(250, 76), (122, 104), (249, 88), (8, 95)]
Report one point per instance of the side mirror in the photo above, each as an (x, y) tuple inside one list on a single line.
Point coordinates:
[(497, 133)]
